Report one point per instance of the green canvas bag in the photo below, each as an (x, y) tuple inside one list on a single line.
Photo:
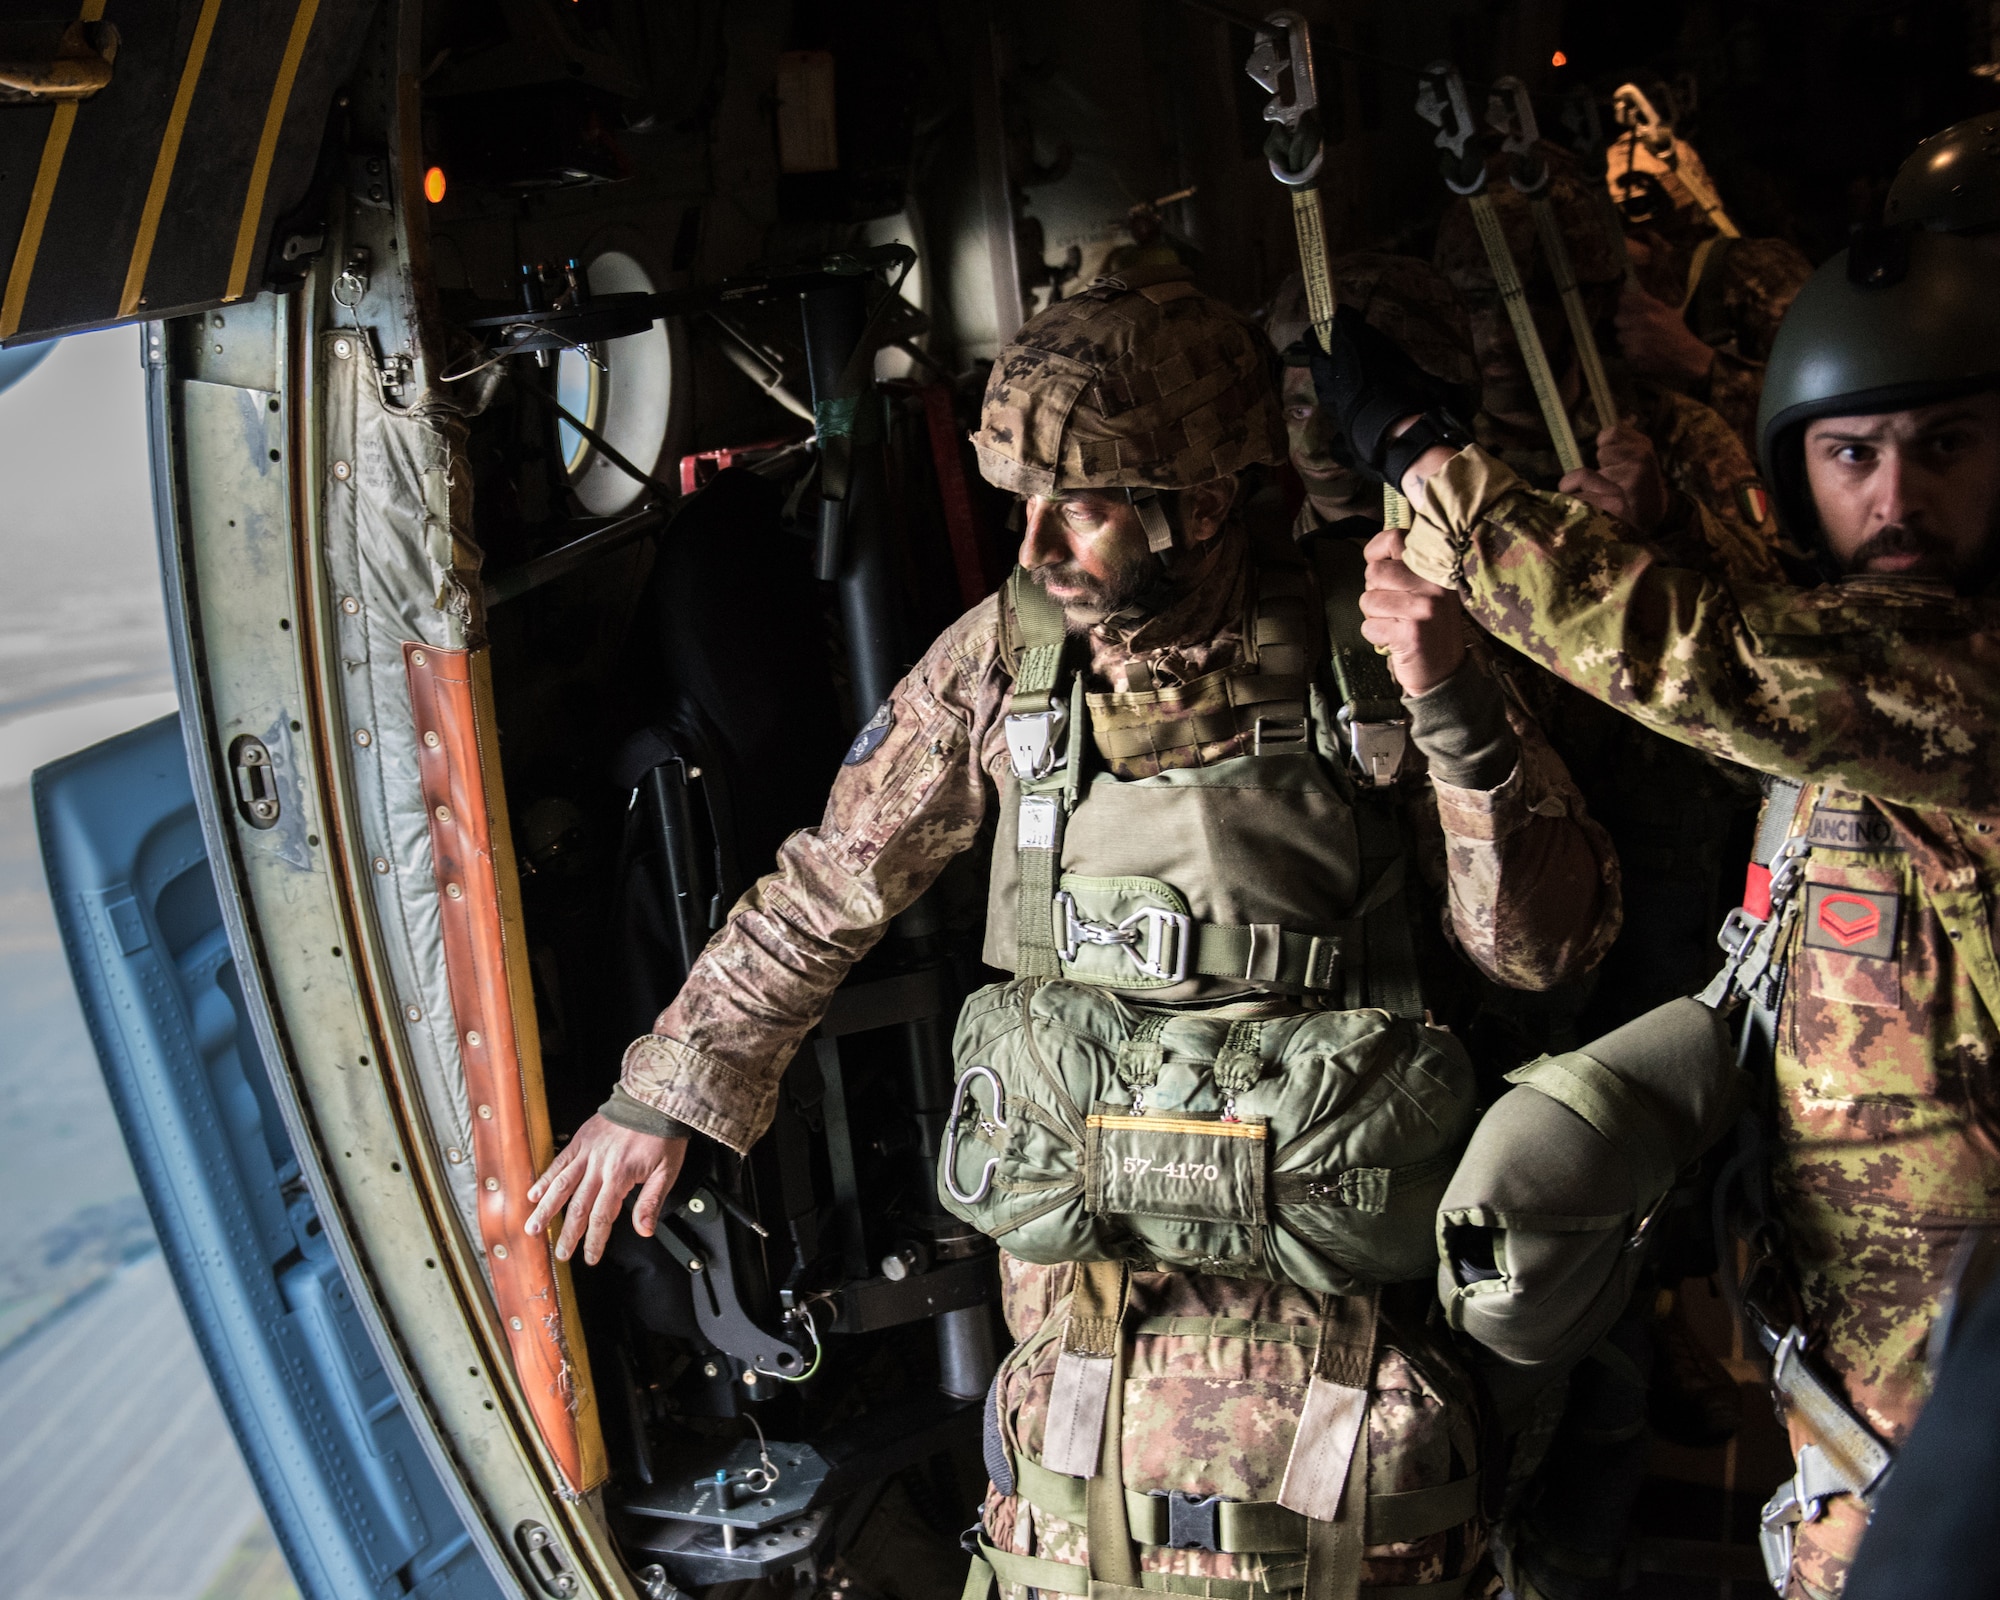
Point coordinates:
[(1540, 1227), (1309, 1149)]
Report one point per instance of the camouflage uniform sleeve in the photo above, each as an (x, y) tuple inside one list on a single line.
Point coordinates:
[(901, 808), (1880, 686), (1531, 879), (1728, 526)]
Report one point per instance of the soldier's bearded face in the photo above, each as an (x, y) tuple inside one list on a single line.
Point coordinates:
[(1089, 551), (1911, 492)]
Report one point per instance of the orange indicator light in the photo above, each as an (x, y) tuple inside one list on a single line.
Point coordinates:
[(1558, 60), (434, 185)]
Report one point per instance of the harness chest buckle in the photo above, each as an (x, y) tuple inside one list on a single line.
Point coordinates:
[(1378, 747), (1155, 939), (1035, 740)]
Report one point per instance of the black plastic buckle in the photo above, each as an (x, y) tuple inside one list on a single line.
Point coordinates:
[(1194, 1524)]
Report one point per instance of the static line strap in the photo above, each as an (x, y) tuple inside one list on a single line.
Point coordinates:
[(1396, 511), (1309, 219), (1556, 248), (1526, 335)]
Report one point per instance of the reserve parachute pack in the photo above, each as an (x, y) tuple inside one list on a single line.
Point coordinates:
[(1091, 1122), (1309, 1149), (1226, 1439)]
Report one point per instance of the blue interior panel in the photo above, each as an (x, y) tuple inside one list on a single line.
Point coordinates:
[(353, 1498)]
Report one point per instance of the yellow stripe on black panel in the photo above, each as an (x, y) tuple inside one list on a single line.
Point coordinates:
[(163, 164), (267, 148), (29, 245)]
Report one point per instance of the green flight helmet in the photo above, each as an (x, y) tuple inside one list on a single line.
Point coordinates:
[(1951, 182), (1901, 318)]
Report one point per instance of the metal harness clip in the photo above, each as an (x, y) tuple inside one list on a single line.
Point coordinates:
[(1035, 740), (1160, 930), (1378, 748)]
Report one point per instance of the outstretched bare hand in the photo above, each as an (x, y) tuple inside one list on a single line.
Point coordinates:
[(593, 1174)]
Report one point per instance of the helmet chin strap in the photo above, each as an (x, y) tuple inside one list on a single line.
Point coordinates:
[(1156, 518)]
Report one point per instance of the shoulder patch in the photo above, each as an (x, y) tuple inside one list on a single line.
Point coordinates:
[(872, 733), (1753, 500)]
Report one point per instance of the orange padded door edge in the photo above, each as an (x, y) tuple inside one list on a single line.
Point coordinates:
[(498, 1073)]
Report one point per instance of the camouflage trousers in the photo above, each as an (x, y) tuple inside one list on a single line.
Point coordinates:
[(1215, 1377), (1870, 1280)]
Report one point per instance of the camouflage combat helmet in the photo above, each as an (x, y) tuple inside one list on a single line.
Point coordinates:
[(1901, 318), (1404, 297), (1951, 182), (1597, 254), (1138, 382)]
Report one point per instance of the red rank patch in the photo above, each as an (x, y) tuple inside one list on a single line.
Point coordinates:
[(1849, 920)]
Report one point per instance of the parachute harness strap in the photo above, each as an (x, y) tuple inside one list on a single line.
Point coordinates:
[(1044, 745), (1326, 1476)]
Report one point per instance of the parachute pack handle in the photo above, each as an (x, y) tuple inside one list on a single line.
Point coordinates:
[(1326, 1474)]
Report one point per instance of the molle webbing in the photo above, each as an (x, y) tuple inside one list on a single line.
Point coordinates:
[(1264, 698)]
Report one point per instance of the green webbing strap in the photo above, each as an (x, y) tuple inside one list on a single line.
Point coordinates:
[(1060, 1577), (1387, 975), (1388, 968), (1610, 1105), (978, 1580), (1368, 689), (1298, 960), (1103, 1288), (1038, 624), (1257, 1527)]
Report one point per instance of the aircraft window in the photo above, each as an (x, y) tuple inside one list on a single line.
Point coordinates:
[(630, 390)]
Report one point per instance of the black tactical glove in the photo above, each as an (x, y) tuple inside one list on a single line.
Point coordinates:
[(1370, 385)]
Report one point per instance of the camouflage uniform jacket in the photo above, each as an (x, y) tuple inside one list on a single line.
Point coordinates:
[(1877, 695), (1533, 882), (1733, 294)]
